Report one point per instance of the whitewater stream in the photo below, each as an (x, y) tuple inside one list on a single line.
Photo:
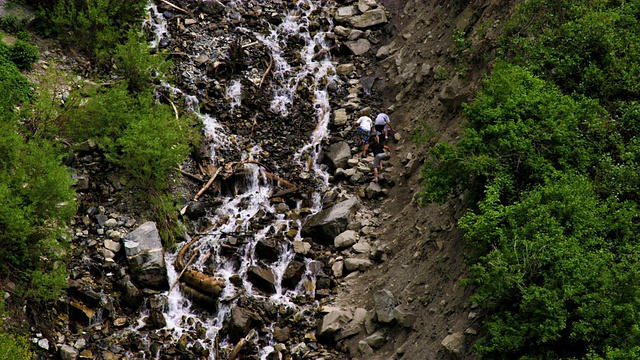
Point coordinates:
[(247, 215)]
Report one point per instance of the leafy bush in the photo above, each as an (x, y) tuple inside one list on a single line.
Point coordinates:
[(12, 347), (588, 47), (136, 133), (24, 54), (14, 87), (97, 25), (151, 145), (558, 272), (11, 24), (36, 204), (47, 116), (135, 63), (521, 131)]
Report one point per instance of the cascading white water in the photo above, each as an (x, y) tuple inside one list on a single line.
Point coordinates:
[(237, 215)]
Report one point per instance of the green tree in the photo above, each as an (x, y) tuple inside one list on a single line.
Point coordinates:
[(560, 278), (521, 130)]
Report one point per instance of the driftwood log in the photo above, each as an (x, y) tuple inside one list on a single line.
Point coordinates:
[(205, 284)]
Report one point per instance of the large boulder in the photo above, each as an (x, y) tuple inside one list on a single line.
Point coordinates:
[(368, 19), (338, 155), (145, 256), (334, 321), (384, 304), (324, 226)]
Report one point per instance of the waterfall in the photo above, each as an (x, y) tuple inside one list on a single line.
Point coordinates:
[(245, 216)]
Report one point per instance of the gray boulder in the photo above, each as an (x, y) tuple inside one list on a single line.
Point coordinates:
[(145, 256), (454, 344), (358, 47), (345, 239), (338, 155), (68, 352), (334, 321), (384, 304), (368, 19), (324, 226)]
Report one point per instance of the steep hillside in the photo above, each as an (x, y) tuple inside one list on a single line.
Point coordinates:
[(423, 75)]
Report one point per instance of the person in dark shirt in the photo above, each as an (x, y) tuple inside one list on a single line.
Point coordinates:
[(378, 147)]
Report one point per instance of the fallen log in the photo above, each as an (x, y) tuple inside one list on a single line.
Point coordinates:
[(237, 349), (203, 300), (284, 192), (202, 282), (188, 174), (204, 188), (174, 6), (283, 182), (193, 257), (205, 284)]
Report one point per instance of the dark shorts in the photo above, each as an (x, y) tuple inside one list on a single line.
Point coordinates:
[(364, 134), (380, 128), (378, 158)]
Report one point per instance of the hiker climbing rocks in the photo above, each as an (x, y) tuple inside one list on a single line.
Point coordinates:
[(378, 148), (364, 131), (383, 124)]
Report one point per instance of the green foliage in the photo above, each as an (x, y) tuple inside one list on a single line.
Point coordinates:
[(151, 145), (558, 270), (24, 54), (14, 86), (521, 131), (97, 25), (36, 204), (441, 73), (47, 115), (11, 24), (461, 46), (588, 47), (14, 347), (423, 134), (136, 133), (163, 210), (136, 64), (548, 163)]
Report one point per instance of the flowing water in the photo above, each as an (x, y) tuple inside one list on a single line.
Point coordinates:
[(246, 216)]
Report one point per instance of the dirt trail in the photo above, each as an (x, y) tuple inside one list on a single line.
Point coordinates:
[(426, 261)]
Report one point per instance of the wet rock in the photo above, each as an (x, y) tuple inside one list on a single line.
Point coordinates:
[(293, 274), (131, 297), (80, 313), (239, 324), (281, 334), (301, 247), (263, 279), (345, 70), (268, 249), (211, 7), (196, 209)]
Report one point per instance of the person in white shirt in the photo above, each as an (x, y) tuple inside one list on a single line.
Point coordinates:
[(383, 124), (364, 131)]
